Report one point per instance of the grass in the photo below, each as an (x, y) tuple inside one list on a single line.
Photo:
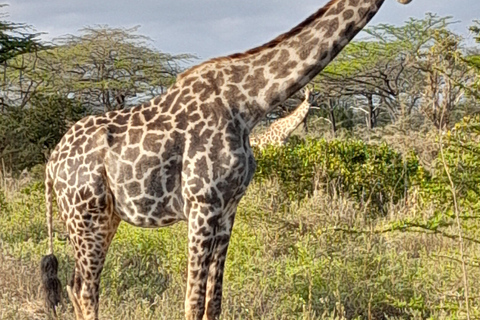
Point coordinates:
[(317, 258)]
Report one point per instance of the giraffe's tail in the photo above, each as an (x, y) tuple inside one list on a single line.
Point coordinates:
[(51, 285)]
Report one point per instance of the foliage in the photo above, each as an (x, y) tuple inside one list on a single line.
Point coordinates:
[(107, 68), (446, 77), (28, 135), (461, 148), (476, 30), (400, 71), (287, 260), (473, 61), (16, 39), (374, 175)]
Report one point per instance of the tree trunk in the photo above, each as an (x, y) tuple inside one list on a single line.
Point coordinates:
[(331, 109), (372, 116)]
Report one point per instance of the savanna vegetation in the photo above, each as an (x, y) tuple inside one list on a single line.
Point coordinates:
[(373, 213)]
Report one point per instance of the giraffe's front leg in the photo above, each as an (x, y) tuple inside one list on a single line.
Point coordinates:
[(215, 275), (205, 230)]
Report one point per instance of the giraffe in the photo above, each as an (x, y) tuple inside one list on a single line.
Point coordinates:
[(279, 131), (183, 156)]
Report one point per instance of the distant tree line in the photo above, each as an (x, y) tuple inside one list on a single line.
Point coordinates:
[(419, 69)]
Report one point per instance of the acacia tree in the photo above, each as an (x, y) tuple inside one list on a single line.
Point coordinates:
[(473, 61), (16, 40), (111, 68), (333, 107), (446, 76), (372, 73), (381, 74)]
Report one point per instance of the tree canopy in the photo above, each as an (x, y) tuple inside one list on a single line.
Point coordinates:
[(16, 39), (416, 69)]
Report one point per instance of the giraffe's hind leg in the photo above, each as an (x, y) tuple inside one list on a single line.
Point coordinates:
[(91, 235)]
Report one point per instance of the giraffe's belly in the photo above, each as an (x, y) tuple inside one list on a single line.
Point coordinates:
[(146, 212), (148, 195)]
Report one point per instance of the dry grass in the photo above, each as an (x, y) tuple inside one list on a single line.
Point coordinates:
[(19, 290), (318, 258), (10, 185)]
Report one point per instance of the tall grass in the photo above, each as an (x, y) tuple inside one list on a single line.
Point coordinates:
[(315, 258)]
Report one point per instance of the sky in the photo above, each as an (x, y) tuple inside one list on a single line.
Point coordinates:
[(211, 28)]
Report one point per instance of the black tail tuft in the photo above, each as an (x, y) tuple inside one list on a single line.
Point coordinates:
[(52, 288)]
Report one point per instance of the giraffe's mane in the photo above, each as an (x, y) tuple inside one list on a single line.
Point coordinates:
[(271, 44)]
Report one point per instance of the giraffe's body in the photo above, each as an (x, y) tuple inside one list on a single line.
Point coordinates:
[(279, 131), (185, 155)]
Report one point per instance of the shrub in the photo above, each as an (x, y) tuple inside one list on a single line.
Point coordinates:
[(374, 175), (461, 150), (28, 134)]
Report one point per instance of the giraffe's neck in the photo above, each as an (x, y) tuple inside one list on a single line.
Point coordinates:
[(258, 80), (292, 121)]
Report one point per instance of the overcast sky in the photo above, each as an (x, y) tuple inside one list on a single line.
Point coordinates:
[(210, 28)]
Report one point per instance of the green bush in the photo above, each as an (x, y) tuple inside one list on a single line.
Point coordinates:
[(28, 134), (461, 157), (374, 175), (461, 149)]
